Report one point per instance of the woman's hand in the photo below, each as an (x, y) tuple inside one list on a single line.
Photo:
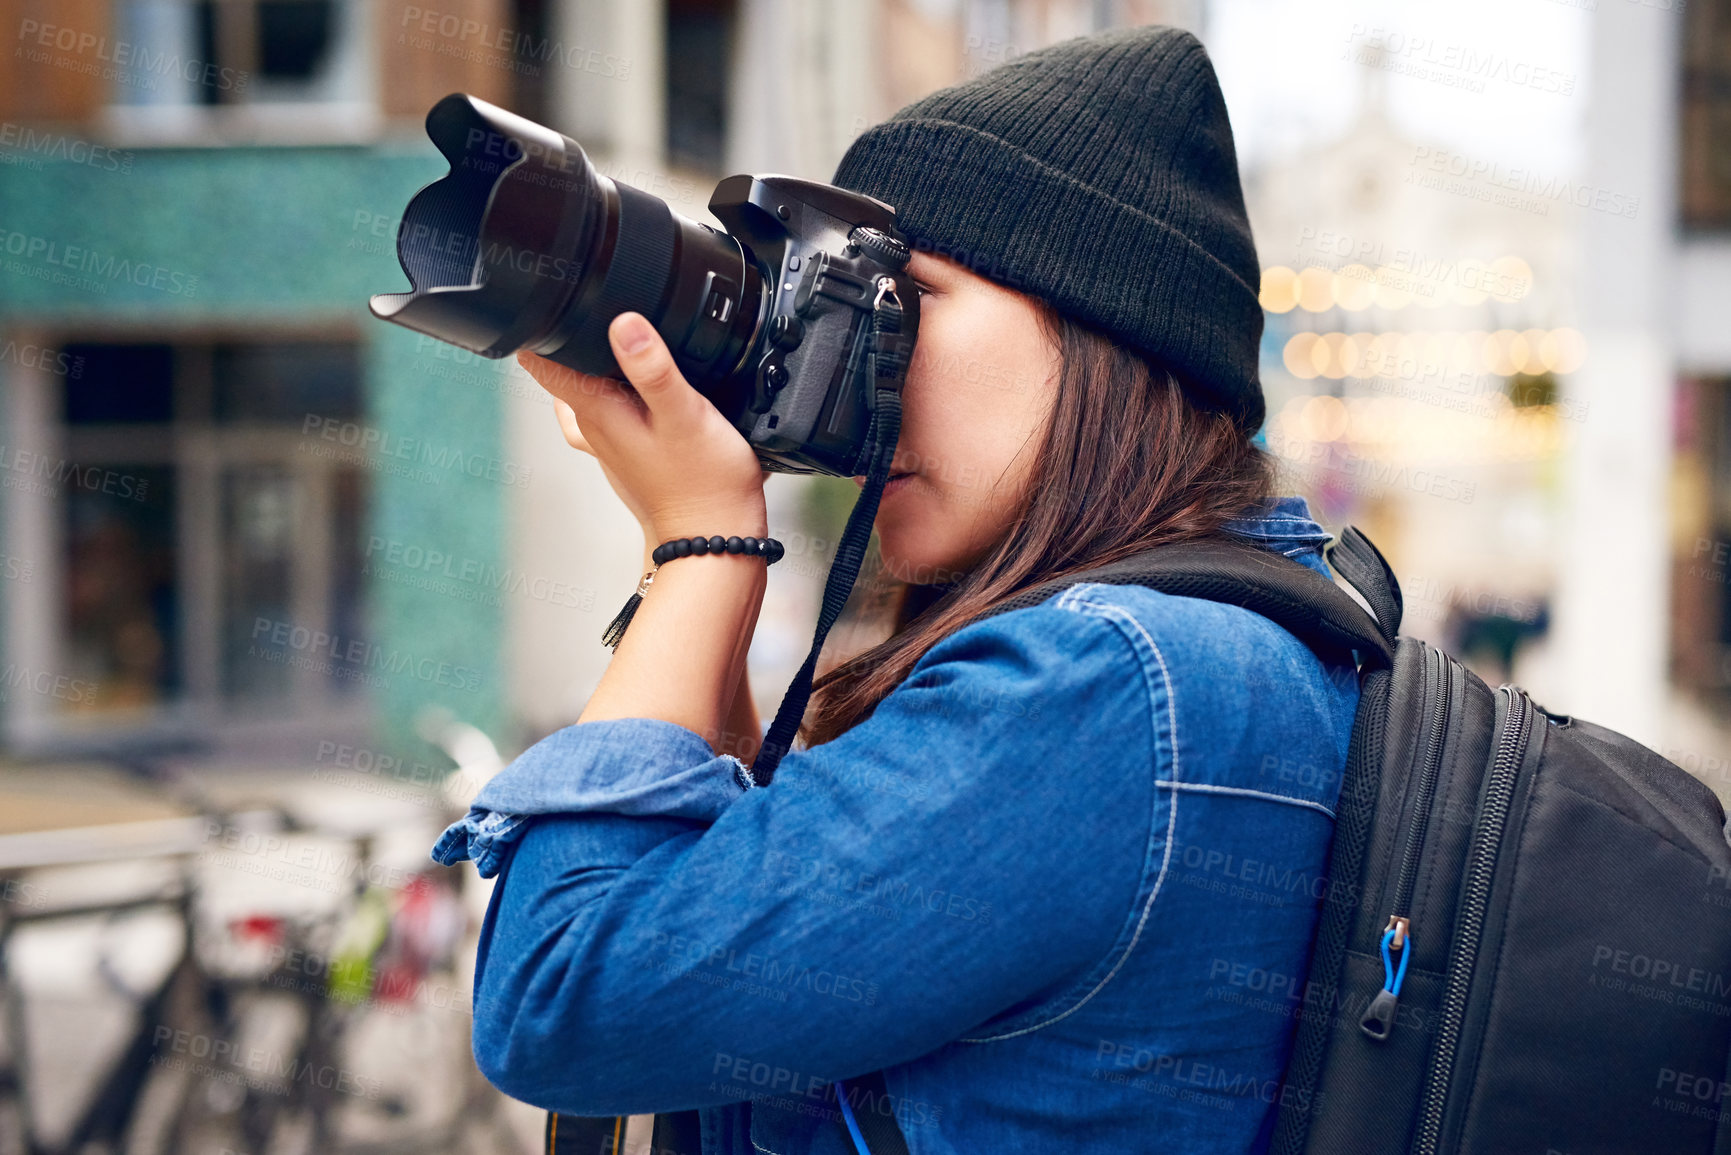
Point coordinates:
[(677, 463), (682, 470)]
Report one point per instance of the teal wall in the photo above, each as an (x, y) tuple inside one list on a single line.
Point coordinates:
[(275, 235)]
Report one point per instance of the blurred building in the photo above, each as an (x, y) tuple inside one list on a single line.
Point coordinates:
[(1414, 347), (1515, 378), (241, 516), (1696, 279), (210, 450), (240, 513)]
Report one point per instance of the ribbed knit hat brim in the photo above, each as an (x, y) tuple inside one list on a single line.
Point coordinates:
[(1099, 175)]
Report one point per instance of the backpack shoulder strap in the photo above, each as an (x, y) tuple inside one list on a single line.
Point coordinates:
[(1367, 571), (1309, 606)]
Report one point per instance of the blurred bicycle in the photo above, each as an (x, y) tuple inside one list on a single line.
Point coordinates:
[(337, 1024)]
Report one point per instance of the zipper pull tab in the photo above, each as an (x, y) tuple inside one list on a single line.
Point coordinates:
[(1378, 1020)]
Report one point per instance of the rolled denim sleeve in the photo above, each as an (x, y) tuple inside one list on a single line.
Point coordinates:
[(630, 766), (657, 917)]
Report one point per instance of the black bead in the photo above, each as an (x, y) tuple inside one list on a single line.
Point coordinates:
[(735, 545), (682, 547), (660, 554), (699, 545), (717, 544), (775, 551), (750, 549)]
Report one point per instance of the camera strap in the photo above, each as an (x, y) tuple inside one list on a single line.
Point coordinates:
[(886, 366)]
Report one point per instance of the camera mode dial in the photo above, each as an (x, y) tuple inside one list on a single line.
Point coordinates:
[(880, 246)]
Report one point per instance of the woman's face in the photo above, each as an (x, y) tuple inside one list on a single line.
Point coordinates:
[(975, 406)]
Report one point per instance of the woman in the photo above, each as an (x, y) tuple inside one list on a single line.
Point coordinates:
[(1054, 873)]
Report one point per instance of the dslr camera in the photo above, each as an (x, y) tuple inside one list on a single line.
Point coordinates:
[(788, 321)]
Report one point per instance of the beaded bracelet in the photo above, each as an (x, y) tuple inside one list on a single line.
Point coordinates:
[(767, 548)]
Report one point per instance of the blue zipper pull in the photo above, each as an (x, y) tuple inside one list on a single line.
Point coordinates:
[(1378, 1020), (853, 1131)]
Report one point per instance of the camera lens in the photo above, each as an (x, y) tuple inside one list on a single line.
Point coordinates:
[(523, 245)]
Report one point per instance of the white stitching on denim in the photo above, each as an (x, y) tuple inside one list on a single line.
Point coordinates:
[(1073, 598), (1203, 787)]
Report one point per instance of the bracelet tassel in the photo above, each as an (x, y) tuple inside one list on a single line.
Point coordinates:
[(767, 548), (615, 631)]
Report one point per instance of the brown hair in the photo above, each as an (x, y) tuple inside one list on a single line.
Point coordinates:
[(1128, 462)]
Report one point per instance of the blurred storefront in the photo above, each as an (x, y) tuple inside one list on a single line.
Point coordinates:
[(208, 446)]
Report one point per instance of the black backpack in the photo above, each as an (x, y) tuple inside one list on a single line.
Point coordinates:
[(1566, 897), (1525, 943)]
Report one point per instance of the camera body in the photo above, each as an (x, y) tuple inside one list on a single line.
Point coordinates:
[(827, 255), (524, 245)]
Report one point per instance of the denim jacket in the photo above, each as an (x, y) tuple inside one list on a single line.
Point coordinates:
[(1060, 888)]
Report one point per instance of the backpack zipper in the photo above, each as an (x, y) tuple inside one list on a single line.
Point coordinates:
[(1475, 901), (1379, 1015)]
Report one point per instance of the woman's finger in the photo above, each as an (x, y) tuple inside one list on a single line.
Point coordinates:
[(648, 364), (568, 426)]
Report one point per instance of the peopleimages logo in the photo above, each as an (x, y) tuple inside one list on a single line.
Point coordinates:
[(747, 1077), (351, 658), (526, 48), (1673, 973), (32, 356), (777, 975), (1456, 65), (257, 1067), (370, 443), (95, 270), (49, 685), (119, 60), (31, 147), (465, 578), (1512, 185), (1368, 476), (1237, 1086)]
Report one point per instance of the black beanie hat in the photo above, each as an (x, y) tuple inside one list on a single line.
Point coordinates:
[(1099, 175)]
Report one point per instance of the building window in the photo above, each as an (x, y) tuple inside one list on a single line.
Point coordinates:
[(699, 46), (1706, 110), (121, 607), (221, 53), (195, 532)]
